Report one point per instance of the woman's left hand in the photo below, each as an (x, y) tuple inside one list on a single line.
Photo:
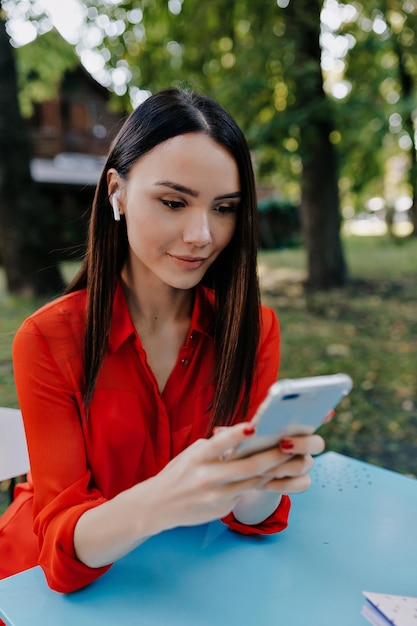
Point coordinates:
[(294, 461), (284, 469)]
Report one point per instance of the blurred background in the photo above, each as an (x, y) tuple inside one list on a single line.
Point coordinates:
[(326, 94)]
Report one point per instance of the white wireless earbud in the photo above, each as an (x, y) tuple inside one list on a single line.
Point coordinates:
[(115, 205)]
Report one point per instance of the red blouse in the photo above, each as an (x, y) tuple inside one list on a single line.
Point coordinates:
[(132, 431)]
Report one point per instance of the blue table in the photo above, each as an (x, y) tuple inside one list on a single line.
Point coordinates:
[(354, 530)]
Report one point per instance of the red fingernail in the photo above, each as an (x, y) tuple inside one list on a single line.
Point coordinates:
[(329, 417), (286, 444), (249, 430)]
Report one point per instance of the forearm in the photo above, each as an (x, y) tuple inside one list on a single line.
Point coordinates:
[(255, 506), (111, 530)]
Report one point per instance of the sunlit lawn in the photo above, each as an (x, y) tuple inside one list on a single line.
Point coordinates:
[(368, 330)]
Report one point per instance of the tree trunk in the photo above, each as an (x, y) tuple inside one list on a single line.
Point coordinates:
[(23, 233), (320, 219)]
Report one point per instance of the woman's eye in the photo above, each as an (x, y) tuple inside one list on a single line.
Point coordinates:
[(226, 208), (172, 204)]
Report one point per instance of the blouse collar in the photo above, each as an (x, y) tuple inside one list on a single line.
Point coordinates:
[(122, 327)]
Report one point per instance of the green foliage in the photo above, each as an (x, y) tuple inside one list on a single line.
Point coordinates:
[(41, 65), (374, 120), (279, 223), (245, 54), (238, 52)]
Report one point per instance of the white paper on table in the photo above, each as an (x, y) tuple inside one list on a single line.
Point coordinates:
[(385, 609)]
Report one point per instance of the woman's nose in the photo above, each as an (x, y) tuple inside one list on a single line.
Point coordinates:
[(197, 229)]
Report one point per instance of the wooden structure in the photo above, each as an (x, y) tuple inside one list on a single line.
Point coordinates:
[(70, 137), (78, 120)]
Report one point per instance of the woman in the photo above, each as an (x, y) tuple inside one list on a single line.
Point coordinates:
[(137, 384)]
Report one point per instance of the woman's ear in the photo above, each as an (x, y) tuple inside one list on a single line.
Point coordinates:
[(114, 182), (114, 186)]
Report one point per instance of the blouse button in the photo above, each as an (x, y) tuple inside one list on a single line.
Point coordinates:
[(184, 361), (191, 337)]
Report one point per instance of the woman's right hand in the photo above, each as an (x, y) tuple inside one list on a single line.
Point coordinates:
[(198, 486)]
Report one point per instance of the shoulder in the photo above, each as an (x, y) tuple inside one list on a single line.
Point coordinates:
[(269, 323), (59, 320)]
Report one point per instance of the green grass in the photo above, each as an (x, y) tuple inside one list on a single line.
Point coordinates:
[(368, 330)]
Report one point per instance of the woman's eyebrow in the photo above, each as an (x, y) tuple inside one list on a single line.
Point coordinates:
[(193, 193), (177, 187), (235, 194)]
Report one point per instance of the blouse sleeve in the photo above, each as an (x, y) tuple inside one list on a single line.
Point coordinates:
[(62, 485), (265, 375)]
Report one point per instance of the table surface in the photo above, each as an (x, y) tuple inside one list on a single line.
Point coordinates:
[(355, 529)]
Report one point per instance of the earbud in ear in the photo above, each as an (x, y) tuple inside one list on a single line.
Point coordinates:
[(115, 205)]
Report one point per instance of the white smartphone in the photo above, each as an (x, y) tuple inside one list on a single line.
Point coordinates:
[(294, 407)]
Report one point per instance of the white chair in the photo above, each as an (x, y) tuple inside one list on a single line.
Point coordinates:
[(14, 459)]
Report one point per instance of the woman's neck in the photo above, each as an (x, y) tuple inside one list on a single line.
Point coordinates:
[(153, 306), (161, 316)]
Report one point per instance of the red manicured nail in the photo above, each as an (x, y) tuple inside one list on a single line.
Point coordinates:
[(329, 417), (286, 444), (249, 430)]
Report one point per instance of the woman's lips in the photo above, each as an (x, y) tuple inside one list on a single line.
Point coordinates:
[(188, 262)]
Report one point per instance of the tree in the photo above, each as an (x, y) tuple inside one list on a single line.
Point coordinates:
[(404, 46), (320, 194), (381, 67), (407, 88), (41, 67), (22, 228), (263, 64)]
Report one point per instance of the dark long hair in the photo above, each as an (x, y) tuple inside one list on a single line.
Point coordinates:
[(233, 275)]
